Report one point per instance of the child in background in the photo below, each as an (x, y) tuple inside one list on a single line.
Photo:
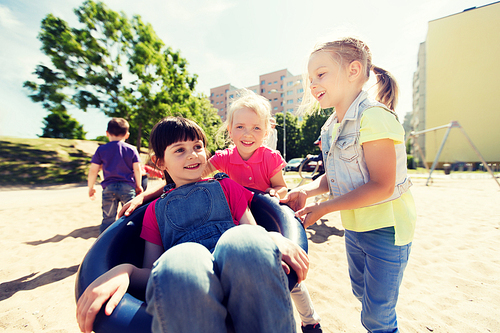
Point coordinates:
[(121, 168), (251, 164), (272, 138), (197, 265), (365, 172), (248, 161)]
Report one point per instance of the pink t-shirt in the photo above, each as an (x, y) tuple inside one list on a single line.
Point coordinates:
[(256, 172), (238, 199)]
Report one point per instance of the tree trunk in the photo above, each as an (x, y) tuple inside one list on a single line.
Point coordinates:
[(139, 133)]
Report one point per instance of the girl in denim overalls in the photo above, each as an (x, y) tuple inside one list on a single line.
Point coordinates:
[(199, 268), (365, 172)]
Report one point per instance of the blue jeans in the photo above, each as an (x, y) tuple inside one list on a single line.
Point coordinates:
[(193, 290), (113, 194), (376, 269)]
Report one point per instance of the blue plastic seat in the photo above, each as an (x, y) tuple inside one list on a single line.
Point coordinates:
[(121, 243)]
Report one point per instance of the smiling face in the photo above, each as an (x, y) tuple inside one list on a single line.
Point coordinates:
[(185, 161), (328, 79), (247, 131)]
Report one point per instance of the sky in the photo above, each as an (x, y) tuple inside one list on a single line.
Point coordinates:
[(224, 41)]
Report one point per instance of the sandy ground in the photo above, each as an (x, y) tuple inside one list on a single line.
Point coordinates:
[(451, 283)]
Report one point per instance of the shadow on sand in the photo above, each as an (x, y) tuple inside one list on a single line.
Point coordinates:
[(8, 289), (323, 232), (85, 233)]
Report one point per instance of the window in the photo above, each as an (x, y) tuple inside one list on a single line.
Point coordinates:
[(221, 110), (263, 82), (263, 91), (289, 92), (290, 101), (275, 82), (212, 95), (269, 83), (275, 99), (282, 77), (299, 100), (227, 90), (217, 103), (212, 101), (231, 96), (300, 90), (275, 108), (289, 110)]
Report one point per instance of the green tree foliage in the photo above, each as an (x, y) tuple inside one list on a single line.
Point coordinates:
[(60, 125), (300, 135), (116, 64)]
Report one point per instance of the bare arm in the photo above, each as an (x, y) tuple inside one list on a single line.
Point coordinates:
[(247, 218), (93, 171), (380, 156), (138, 177), (278, 186), (113, 285), (297, 197), (209, 169), (150, 194)]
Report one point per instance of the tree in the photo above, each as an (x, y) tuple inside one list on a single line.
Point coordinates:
[(112, 63), (311, 129), (59, 124)]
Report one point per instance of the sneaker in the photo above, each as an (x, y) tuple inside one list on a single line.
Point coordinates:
[(316, 328)]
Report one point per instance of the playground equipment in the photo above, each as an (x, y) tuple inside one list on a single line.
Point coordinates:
[(121, 243), (453, 124)]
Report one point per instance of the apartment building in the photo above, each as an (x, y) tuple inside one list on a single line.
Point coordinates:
[(283, 90), (458, 79)]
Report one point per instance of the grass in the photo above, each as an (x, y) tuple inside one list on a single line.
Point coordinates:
[(41, 161)]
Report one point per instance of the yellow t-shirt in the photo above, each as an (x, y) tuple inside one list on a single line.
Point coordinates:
[(376, 124)]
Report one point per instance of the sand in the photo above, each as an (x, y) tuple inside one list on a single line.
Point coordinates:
[(451, 283)]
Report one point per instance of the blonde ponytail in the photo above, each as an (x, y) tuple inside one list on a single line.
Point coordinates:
[(387, 87)]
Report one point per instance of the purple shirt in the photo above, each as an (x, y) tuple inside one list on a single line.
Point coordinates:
[(117, 159)]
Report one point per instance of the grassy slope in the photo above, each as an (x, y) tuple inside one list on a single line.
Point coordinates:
[(44, 161)]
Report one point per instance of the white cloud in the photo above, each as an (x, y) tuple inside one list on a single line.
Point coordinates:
[(7, 19)]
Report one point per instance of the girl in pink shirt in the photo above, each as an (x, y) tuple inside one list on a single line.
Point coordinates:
[(249, 162), (252, 164)]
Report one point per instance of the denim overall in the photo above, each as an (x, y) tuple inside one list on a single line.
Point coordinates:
[(196, 212)]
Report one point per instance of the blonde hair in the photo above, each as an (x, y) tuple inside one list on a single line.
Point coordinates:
[(346, 50), (247, 98)]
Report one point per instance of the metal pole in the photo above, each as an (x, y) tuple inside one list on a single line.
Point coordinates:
[(439, 151), (284, 134)]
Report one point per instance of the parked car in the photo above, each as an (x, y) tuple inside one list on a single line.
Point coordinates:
[(293, 164)]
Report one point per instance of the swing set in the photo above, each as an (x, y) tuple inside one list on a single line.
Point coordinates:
[(453, 124)]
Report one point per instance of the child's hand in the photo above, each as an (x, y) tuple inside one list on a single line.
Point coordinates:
[(130, 206), (310, 214), (138, 190), (295, 199), (272, 192), (111, 285), (92, 193), (293, 256)]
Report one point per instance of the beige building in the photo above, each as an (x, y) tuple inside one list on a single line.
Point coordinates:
[(458, 79), (283, 90), (219, 98)]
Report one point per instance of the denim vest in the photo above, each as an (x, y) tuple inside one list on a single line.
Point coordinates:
[(343, 156), (196, 212)]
